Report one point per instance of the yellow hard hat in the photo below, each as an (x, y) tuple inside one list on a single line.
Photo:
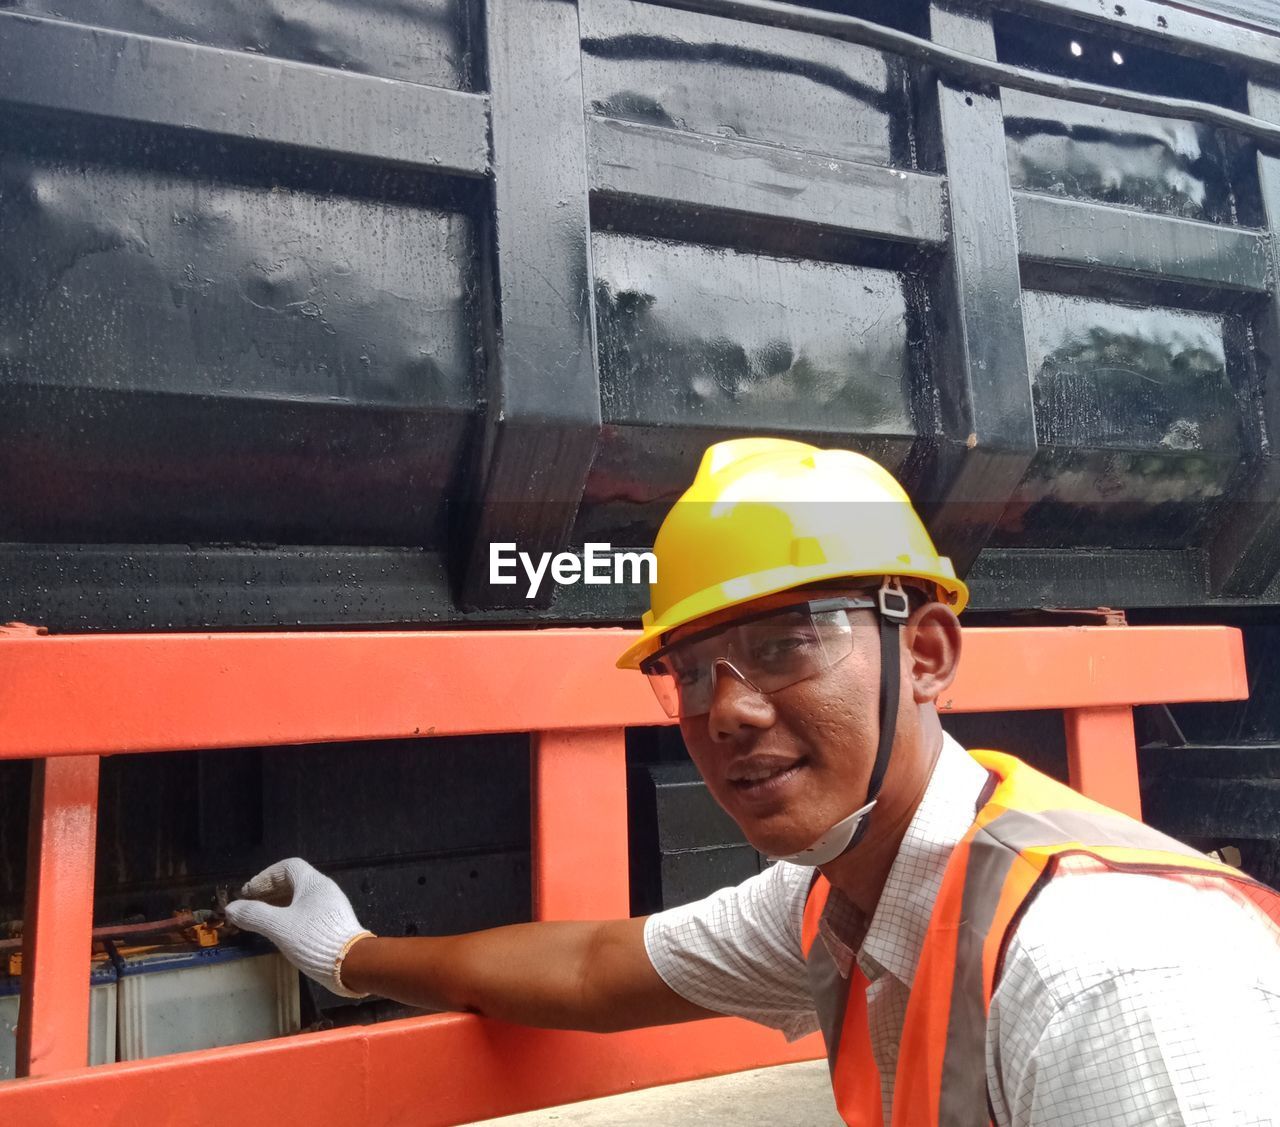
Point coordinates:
[(768, 514)]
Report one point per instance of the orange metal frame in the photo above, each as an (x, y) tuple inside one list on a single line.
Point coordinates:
[(67, 700)]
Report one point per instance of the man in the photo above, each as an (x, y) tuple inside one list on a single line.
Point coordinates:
[(977, 942)]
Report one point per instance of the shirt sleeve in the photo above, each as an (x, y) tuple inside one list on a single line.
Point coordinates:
[(738, 951), (1137, 1003)]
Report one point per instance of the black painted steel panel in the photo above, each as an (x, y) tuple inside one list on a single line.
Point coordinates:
[(191, 357), (1158, 248), (688, 817), (730, 79), (684, 846), (67, 68), (685, 356), (661, 170), (1081, 152), (426, 41), (1186, 793), (1010, 579), (542, 385), (137, 281), (813, 345), (1192, 29), (1243, 557), (1261, 11), (1139, 427), (977, 333), (690, 875)]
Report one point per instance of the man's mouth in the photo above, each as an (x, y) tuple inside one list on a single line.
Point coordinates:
[(763, 777)]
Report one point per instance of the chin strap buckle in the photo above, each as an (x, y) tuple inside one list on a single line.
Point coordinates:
[(892, 600), (837, 841)]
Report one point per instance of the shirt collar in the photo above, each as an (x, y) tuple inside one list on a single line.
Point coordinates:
[(895, 937)]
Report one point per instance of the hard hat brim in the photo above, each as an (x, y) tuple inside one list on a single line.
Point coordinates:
[(747, 589)]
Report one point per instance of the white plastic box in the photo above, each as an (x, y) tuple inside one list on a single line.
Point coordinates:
[(180, 1001)]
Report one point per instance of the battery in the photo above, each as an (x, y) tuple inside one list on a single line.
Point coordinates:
[(102, 1017), (179, 1001)]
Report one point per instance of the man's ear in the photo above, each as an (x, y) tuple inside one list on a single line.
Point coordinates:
[(932, 638)]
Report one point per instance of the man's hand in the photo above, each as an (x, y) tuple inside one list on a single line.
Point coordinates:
[(304, 914)]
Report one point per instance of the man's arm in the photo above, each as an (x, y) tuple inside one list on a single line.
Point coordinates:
[(589, 976)]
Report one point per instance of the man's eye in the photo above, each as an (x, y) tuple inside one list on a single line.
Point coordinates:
[(691, 676), (784, 647)]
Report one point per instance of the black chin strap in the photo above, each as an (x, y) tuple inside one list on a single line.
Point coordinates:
[(890, 676)]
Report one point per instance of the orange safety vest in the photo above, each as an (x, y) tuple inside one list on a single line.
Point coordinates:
[(1028, 830)]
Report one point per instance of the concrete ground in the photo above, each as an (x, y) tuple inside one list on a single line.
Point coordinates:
[(798, 1095)]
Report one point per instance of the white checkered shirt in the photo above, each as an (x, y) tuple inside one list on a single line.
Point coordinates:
[(1125, 999)]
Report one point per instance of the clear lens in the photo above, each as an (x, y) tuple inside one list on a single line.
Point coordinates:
[(665, 689), (768, 653), (775, 652)]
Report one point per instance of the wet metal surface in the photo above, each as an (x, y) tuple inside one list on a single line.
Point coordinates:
[(702, 336), (183, 356), (1159, 247), (728, 79), (980, 353), (130, 280), (1137, 379), (655, 167), (1174, 167), (1173, 28), (1243, 552), (427, 41), (66, 68), (701, 341), (260, 337), (542, 385), (1139, 425), (1263, 11), (1150, 162)]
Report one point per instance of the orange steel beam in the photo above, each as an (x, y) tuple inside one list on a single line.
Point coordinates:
[(1102, 756), (1051, 667), (103, 694), (53, 1014), (580, 862), (419, 1072)]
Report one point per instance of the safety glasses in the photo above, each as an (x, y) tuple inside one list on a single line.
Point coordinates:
[(767, 651)]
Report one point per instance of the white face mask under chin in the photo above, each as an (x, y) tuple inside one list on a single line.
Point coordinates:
[(832, 843)]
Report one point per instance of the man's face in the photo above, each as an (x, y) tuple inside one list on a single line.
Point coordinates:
[(788, 765)]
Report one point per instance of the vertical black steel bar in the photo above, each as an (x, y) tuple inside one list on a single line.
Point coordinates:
[(543, 411), (988, 422), (1244, 556)]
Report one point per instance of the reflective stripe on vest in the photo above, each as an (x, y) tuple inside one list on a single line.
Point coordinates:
[(1032, 829)]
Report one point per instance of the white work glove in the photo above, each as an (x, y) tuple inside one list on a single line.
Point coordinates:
[(304, 914)]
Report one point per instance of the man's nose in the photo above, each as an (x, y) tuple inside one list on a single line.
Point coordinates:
[(737, 708)]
